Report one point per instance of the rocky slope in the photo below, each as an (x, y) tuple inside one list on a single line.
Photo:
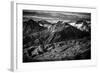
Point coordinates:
[(53, 42)]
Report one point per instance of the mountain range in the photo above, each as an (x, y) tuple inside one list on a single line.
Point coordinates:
[(43, 40), (38, 31)]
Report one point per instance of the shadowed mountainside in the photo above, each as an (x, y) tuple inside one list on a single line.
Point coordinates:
[(44, 41)]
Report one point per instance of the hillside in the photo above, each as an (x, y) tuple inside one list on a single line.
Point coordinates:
[(61, 41)]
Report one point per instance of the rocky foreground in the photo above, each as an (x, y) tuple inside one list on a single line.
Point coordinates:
[(69, 50)]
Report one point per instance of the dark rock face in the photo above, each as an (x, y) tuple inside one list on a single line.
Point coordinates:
[(32, 26), (61, 41)]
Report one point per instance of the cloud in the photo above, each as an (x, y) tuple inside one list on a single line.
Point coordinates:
[(54, 15)]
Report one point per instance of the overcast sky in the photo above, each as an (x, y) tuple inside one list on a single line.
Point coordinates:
[(54, 15)]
